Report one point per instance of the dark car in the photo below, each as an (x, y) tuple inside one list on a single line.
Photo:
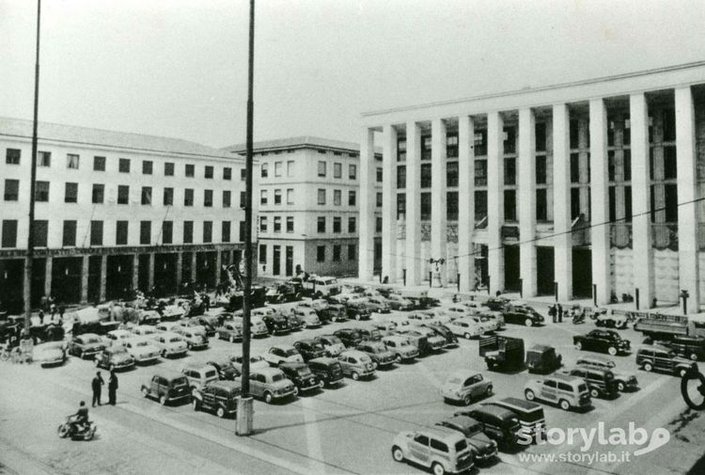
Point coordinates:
[(443, 331), (219, 397), (522, 315), (209, 322), (378, 352), (690, 347), (530, 415), (226, 370), (276, 324), (334, 312), (293, 322), (310, 349), (327, 369), (498, 423), (166, 387), (358, 309), (659, 358), (485, 448), (601, 382), (301, 375), (606, 341), (87, 344), (543, 359), (351, 337), (114, 358), (496, 304)]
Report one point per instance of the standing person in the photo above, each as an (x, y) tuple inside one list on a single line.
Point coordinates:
[(41, 317), (560, 313), (552, 312), (97, 386), (62, 309), (112, 388)]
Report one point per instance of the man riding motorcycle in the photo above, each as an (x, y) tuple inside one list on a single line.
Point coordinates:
[(81, 417)]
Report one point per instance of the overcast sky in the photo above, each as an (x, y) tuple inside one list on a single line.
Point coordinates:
[(178, 68)]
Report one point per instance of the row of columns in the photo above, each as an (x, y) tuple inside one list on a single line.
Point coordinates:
[(562, 241)]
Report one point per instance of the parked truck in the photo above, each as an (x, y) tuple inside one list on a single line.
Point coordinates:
[(666, 327), (502, 352)]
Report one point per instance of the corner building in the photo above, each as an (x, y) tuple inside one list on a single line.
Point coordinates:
[(115, 211), (592, 186)]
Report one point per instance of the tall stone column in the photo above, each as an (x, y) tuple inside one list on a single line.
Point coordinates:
[(194, 261), (150, 273), (495, 200), (48, 275), (527, 201), (367, 204), (413, 204), (85, 271), (179, 269), (687, 194), (135, 271), (439, 223), (389, 189), (643, 253), (103, 277), (466, 202), (600, 202), (218, 264), (563, 240)]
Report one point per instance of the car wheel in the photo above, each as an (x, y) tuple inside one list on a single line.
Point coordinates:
[(162, 400), (529, 395), (467, 400), (232, 339), (220, 412), (467, 336), (682, 372), (355, 376), (397, 358), (594, 393), (693, 357), (296, 391), (112, 367), (565, 405), (397, 454), (195, 404), (145, 392), (438, 469), (268, 398), (648, 367), (579, 345), (612, 351), (488, 392), (529, 322), (620, 386), (357, 317)]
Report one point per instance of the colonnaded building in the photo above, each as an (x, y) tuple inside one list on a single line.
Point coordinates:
[(115, 211), (588, 187)]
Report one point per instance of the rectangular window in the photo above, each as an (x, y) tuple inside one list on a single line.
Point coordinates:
[(277, 224), (189, 170), (96, 233), (352, 225), (289, 224), (277, 169), (243, 199), (208, 172), (574, 134), (121, 228), (321, 196), (480, 205), (207, 198), (227, 173), (338, 197), (320, 253), (243, 174), (41, 191), (71, 193), (147, 167), (480, 143), (263, 197), (262, 253), (352, 171), (337, 224), (541, 170), (452, 206), (322, 168), (352, 252), (169, 169), (12, 156), (168, 198), (352, 198), (401, 150), (225, 231), (188, 232), (12, 190), (72, 161), (167, 232), (263, 224), (337, 170), (540, 136), (452, 174), (426, 145), (610, 133), (401, 205), (575, 168), (44, 159), (145, 232), (510, 171), (146, 195), (628, 204), (9, 233), (290, 196), (510, 206), (378, 224), (264, 170), (452, 145), (227, 198), (670, 165), (627, 132), (401, 177), (541, 205), (510, 140), (425, 206), (98, 164), (124, 165), (207, 232), (277, 197), (480, 172), (380, 174), (669, 125), (321, 224), (188, 197), (612, 194), (41, 231), (69, 234), (574, 203), (336, 252), (671, 203), (290, 168), (627, 165), (426, 175)]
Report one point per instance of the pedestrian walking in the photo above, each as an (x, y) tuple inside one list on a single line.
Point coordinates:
[(552, 312), (41, 317), (560, 313), (97, 386), (112, 388)]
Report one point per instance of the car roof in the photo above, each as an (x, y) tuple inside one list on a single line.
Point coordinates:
[(293, 365), (267, 371), (541, 348), (353, 353), (564, 378), (496, 411), (460, 420), (283, 346), (169, 374), (323, 360), (439, 432), (198, 366), (306, 341), (227, 385), (169, 334), (88, 335), (520, 403)]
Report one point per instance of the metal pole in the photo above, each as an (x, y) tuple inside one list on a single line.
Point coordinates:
[(404, 276), (636, 298), (430, 278), (594, 295), (244, 416), (555, 290), (521, 288), (458, 281), (32, 184)]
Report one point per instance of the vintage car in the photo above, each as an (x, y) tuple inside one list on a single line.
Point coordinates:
[(473, 430), (114, 358), (496, 303), (310, 349), (465, 327), (377, 304), (170, 344), (331, 343), (465, 386), (208, 321), (195, 340), (397, 302), (328, 370), (276, 323), (144, 330), (499, 424), (142, 349), (166, 387), (356, 364), (611, 320), (543, 359), (301, 375), (441, 449), (87, 344), (607, 341), (400, 346), (350, 337), (148, 317), (118, 337), (219, 397), (294, 322), (662, 359), (378, 352), (226, 369), (256, 362), (278, 354), (419, 318), (566, 391), (600, 381), (625, 381), (270, 384), (308, 317), (168, 326), (433, 342), (52, 353), (443, 331), (257, 325), (333, 312), (199, 375), (358, 308), (521, 314), (231, 331)]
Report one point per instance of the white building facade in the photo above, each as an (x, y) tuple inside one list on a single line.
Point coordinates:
[(114, 212), (588, 189)]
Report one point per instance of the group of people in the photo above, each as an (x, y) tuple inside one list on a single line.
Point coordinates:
[(556, 313), (97, 387)]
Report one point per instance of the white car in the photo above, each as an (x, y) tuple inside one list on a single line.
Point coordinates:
[(52, 353), (257, 325), (195, 339), (142, 349), (282, 354), (118, 337), (459, 311), (486, 324), (308, 316), (170, 344), (318, 304), (167, 326), (401, 347), (256, 362), (465, 327), (144, 330)]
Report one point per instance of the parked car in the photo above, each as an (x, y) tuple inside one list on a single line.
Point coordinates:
[(498, 423), (530, 415), (378, 304), (484, 447), (625, 381), (301, 375), (276, 324), (87, 344), (465, 327), (496, 303), (358, 308), (144, 330), (433, 342), (328, 370), (209, 321), (419, 318), (195, 324), (607, 341), (256, 362), (451, 340), (118, 337), (199, 375), (566, 391), (270, 384), (310, 349), (465, 386), (612, 321), (397, 302), (659, 358), (441, 449), (356, 364), (257, 325), (231, 331), (543, 359), (350, 337), (167, 387), (148, 317), (52, 353), (691, 347), (282, 353), (142, 349), (600, 381), (225, 368), (331, 343), (378, 352), (400, 346), (521, 314), (170, 344), (308, 317), (195, 340), (169, 326), (219, 397), (294, 322), (334, 312)]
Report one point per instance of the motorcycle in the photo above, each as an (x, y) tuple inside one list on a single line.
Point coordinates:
[(85, 431)]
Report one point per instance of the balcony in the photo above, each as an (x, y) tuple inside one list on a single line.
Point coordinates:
[(664, 236), (621, 235)]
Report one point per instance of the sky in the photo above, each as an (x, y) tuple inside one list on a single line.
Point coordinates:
[(178, 68)]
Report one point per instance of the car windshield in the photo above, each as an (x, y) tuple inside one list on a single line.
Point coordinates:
[(277, 377), (118, 349), (329, 281), (91, 339), (291, 352), (175, 339), (316, 346), (461, 445), (211, 374), (178, 382), (304, 371), (582, 388), (141, 343)]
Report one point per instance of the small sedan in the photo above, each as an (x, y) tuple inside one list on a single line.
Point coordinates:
[(195, 340), (88, 344), (378, 352), (309, 317), (144, 330), (401, 348), (115, 357), (301, 375), (270, 384), (485, 448), (231, 331), (256, 362), (356, 364), (465, 386), (118, 337), (50, 354), (331, 344), (142, 349), (310, 349), (170, 344), (397, 302), (278, 354)]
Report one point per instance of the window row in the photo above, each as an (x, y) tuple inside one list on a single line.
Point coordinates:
[(276, 224), (337, 249), (337, 197), (338, 170)]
